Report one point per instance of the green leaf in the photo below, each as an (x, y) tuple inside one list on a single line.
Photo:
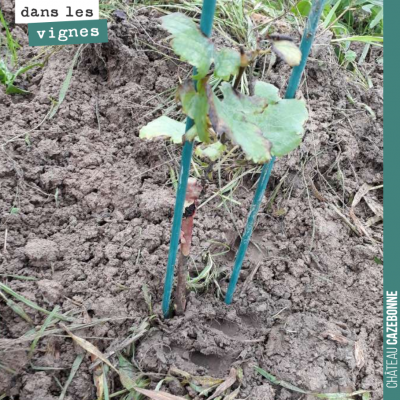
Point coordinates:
[(350, 56), (288, 51), (12, 44), (163, 127), (29, 303), (66, 83), (16, 308), (227, 63), (268, 91), (378, 261), (303, 8), (378, 18), (127, 373), (74, 369), (212, 151), (22, 70), (276, 381), (189, 42), (195, 105), (239, 102), (11, 89), (327, 396), (366, 396), (5, 74), (45, 325), (236, 125), (331, 15), (342, 396), (375, 40), (14, 210), (282, 124)]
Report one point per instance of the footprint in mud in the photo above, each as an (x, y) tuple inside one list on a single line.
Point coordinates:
[(250, 320), (230, 329), (240, 331), (215, 365)]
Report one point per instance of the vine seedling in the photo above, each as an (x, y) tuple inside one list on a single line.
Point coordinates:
[(262, 125)]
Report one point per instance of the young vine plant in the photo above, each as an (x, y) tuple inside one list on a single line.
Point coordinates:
[(262, 125)]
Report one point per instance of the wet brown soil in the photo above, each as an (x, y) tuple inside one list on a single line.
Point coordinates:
[(95, 205)]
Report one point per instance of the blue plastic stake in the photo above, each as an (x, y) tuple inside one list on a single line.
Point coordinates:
[(305, 47), (206, 22)]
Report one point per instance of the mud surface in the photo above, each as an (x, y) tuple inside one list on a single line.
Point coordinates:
[(95, 206)]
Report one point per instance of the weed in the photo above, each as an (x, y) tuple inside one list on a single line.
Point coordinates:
[(11, 43), (7, 77), (66, 83), (332, 396), (75, 366)]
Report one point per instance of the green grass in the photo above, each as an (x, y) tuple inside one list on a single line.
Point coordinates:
[(365, 394), (355, 17), (354, 21), (9, 70), (11, 44)]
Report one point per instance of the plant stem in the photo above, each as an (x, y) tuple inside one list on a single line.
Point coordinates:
[(180, 291), (206, 22), (191, 202), (238, 78), (305, 47)]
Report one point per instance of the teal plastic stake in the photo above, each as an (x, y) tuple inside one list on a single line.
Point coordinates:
[(206, 22), (294, 81)]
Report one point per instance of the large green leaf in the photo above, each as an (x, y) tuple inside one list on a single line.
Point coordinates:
[(280, 122), (236, 125), (163, 127), (189, 42), (227, 63), (239, 102), (268, 91), (195, 105)]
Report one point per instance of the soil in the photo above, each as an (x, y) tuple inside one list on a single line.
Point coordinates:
[(95, 205)]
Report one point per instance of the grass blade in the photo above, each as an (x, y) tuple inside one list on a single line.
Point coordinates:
[(225, 385), (331, 15), (31, 304), (106, 391), (233, 395), (21, 277), (7, 369), (42, 329), (152, 394), (11, 43), (375, 40), (276, 381), (74, 369), (377, 19), (22, 70), (16, 308), (89, 347), (326, 396), (66, 83)]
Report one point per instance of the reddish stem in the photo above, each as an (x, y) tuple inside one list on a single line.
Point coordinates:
[(191, 200)]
